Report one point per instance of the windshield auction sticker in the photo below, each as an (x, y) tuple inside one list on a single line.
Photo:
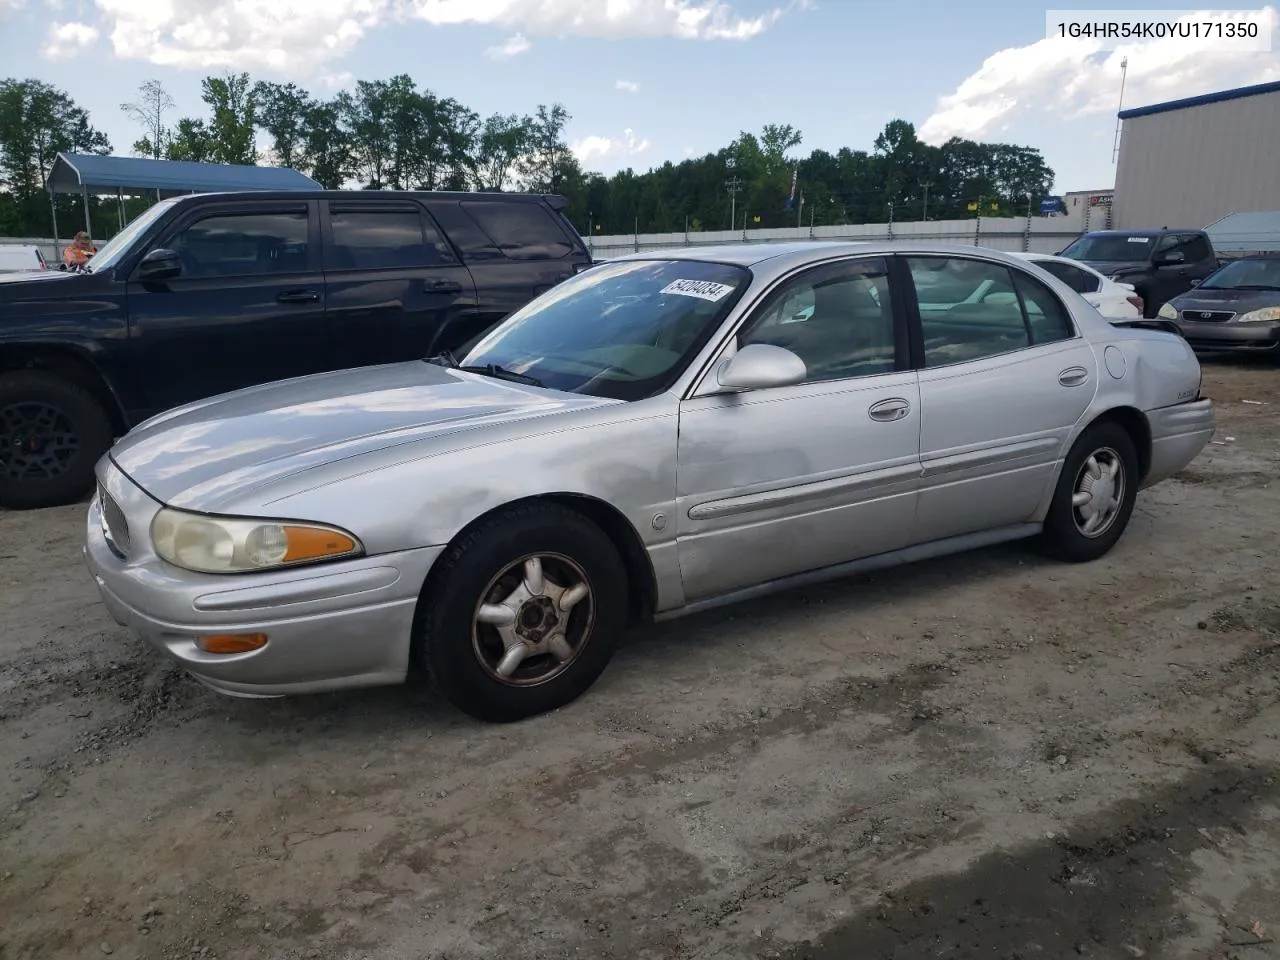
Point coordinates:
[(702, 289)]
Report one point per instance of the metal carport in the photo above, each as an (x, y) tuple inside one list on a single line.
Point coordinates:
[(86, 173)]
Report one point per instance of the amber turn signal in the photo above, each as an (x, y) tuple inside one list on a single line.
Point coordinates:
[(232, 642)]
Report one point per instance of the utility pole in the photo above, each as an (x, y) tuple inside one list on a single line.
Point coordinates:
[(924, 213), (1124, 72), (733, 184)]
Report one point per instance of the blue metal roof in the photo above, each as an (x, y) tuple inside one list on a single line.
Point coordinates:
[(1200, 101), (73, 172)]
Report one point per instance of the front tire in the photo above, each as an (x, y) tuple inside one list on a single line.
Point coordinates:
[(52, 433), (524, 614), (1094, 497)]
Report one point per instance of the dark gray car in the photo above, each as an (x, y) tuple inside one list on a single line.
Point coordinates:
[(1236, 308)]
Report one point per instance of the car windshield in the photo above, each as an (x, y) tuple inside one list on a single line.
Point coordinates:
[(118, 245), (623, 330), (1245, 275), (1111, 246)]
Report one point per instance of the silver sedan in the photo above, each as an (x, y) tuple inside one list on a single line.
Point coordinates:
[(666, 432)]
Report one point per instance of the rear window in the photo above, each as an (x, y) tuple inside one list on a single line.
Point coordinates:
[(18, 258), (1111, 247), (522, 230)]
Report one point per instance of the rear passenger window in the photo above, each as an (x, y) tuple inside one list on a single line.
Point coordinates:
[(1047, 318), (383, 239), (521, 230), (971, 310)]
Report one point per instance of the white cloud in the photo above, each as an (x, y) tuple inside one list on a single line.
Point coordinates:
[(685, 19), (1070, 78), (594, 149), (69, 39), (237, 35), (337, 81), (303, 35), (512, 47), (626, 86)]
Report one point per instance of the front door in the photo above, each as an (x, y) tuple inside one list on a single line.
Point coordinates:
[(248, 307), (393, 284), (779, 481), (1005, 379)]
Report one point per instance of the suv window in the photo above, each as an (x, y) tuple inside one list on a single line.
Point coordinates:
[(970, 310), (521, 230), (371, 239), (243, 244), (838, 320), (1081, 281)]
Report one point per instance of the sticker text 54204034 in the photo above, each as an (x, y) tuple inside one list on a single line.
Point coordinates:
[(702, 289)]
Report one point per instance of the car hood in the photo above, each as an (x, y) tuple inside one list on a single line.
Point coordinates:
[(1237, 301), (197, 455)]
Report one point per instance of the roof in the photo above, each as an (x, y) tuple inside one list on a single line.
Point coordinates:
[(1246, 232), (74, 172), (1221, 96)]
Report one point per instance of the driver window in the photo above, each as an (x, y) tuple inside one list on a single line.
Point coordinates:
[(243, 244), (838, 321)]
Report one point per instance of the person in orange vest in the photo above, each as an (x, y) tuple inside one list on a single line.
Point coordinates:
[(79, 250)]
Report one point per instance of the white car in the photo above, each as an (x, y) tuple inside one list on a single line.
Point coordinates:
[(21, 258), (1112, 299)]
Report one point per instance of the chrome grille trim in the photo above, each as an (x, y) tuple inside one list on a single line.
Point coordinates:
[(114, 525)]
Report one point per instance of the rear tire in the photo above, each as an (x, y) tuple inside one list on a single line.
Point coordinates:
[(52, 433), (1094, 497), (537, 591)]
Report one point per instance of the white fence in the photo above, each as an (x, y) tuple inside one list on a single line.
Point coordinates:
[(1034, 234)]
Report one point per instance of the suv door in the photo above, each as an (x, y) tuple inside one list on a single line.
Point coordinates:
[(1170, 271), (1004, 378), (393, 285), (516, 248), (248, 307), (779, 481)]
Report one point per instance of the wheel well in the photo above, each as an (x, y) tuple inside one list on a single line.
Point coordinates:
[(70, 364), (1135, 424), (643, 590)]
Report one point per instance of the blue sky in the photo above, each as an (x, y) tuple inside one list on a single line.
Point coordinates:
[(645, 80)]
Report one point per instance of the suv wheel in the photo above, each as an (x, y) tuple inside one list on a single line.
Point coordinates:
[(52, 432)]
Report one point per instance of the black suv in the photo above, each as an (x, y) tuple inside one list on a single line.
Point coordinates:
[(1160, 264), (212, 292)]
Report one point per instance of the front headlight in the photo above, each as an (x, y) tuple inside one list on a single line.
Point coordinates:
[(231, 545), (1167, 312), (1260, 316)]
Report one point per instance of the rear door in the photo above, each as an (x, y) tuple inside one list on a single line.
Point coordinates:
[(248, 307), (516, 249), (1005, 377), (392, 281)]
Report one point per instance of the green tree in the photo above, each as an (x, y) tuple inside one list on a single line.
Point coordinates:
[(503, 140), (191, 140), (327, 146), (548, 165), (282, 111), (234, 118)]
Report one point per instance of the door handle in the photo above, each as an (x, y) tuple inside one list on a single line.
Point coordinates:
[(298, 296), (886, 411), (442, 286), (1073, 376)]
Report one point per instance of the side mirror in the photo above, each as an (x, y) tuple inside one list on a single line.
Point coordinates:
[(159, 264), (1196, 281), (758, 366)]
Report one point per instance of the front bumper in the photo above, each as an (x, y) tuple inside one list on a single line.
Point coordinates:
[(329, 626), (1230, 337)]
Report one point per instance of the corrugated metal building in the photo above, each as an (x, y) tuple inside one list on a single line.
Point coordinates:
[(1188, 163)]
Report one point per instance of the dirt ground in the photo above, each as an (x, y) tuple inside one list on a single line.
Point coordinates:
[(989, 755)]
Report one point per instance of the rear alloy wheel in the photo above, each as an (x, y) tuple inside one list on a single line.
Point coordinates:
[(52, 432), (1095, 495), (524, 614)]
